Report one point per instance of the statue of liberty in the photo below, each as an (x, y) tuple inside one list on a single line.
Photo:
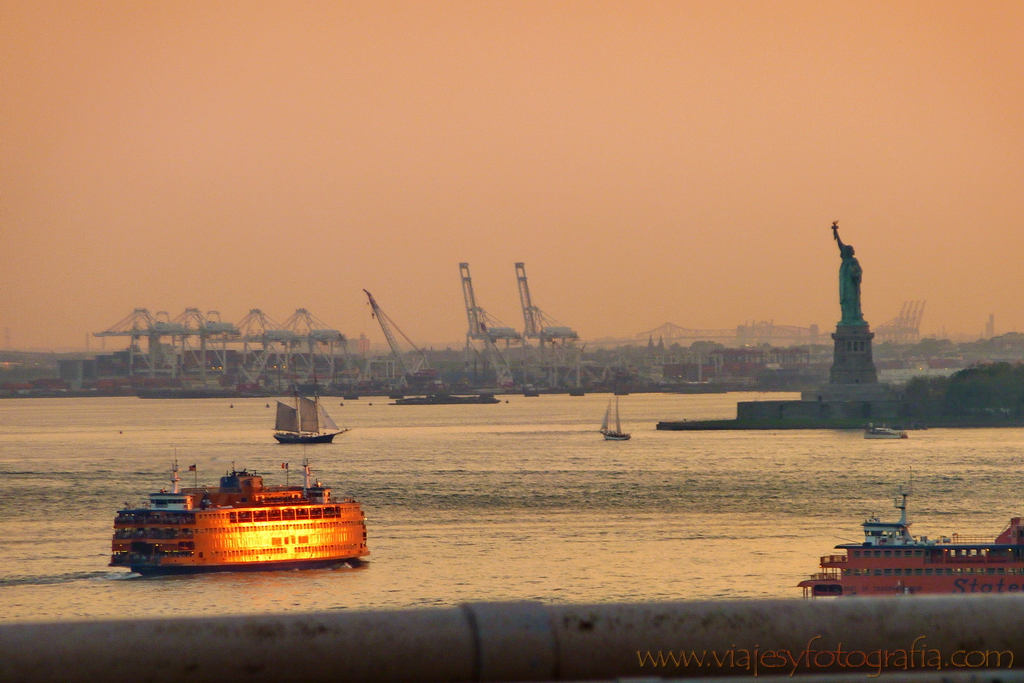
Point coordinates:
[(850, 274)]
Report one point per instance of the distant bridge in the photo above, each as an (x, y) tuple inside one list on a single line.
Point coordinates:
[(751, 333)]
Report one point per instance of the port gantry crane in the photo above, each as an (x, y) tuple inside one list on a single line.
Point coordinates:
[(537, 325), (410, 373), (260, 337), (180, 356), (904, 328), (296, 349), (321, 342), (268, 345), (211, 331), (484, 328), (139, 323)]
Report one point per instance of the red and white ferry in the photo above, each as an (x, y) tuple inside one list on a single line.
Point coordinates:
[(240, 525), (891, 561)]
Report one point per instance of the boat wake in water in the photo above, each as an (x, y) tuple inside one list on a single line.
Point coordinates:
[(68, 577)]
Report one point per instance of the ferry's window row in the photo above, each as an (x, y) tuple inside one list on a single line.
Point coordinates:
[(161, 532), (155, 518), (275, 515), (170, 553), (887, 553), (951, 552), (251, 552), (280, 527), (938, 571), (283, 515), (154, 532)]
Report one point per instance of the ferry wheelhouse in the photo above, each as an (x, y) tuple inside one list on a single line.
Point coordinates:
[(239, 525), (892, 561)]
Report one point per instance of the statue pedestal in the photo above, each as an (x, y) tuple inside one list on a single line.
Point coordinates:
[(852, 361), (853, 392)]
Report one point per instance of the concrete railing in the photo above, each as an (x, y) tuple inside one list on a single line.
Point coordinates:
[(961, 638)]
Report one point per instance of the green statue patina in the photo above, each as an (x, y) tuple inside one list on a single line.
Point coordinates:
[(850, 274)]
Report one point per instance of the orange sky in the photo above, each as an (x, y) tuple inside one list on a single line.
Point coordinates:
[(649, 161)]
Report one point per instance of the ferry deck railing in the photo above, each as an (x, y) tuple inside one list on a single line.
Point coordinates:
[(969, 540), (825, 575), (953, 639)]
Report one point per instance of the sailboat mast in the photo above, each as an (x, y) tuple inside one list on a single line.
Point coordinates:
[(316, 407), (618, 425), (316, 392)]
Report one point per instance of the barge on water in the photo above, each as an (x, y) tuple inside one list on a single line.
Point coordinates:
[(445, 399), (240, 525)]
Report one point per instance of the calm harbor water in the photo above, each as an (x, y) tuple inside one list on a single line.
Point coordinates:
[(519, 500)]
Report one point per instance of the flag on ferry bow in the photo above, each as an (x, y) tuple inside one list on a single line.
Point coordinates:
[(284, 466), (191, 468)]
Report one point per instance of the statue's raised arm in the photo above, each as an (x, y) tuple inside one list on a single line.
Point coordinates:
[(835, 234)]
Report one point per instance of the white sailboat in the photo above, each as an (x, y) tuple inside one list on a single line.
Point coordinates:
[(307, 422), (613, 434)]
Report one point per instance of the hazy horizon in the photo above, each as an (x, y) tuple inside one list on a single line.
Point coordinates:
[(652, 162)]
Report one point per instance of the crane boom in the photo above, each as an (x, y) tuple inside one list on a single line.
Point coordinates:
[(386, 324), (473, 312), (530, 322), (485, 329), (537, 324)]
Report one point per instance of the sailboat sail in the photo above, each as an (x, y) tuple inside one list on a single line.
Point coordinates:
[(287, 418), (308, 422), (325, 420), (613, 434), (308, 418)]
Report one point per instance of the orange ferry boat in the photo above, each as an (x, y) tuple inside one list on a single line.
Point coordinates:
[(240, 525), (893, 562)]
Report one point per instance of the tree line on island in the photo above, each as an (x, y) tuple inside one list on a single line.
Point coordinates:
[(992, 392)]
